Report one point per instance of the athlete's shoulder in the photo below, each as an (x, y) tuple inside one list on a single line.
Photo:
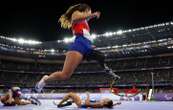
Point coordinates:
[(76, 15)]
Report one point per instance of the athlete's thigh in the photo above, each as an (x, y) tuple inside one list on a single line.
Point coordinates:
[(73, 59), (76, 99)]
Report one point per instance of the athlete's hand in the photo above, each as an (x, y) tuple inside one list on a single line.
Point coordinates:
[(97, 13)]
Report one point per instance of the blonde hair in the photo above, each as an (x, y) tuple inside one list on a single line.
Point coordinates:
[(65, 23), (65, 19)]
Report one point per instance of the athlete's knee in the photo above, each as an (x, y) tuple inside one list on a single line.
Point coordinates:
[(70, 94), (66, 75)]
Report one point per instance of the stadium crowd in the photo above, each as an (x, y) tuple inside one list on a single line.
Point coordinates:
[(136, 55)]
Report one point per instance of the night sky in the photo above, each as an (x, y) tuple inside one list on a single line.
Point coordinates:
[(39, 21)]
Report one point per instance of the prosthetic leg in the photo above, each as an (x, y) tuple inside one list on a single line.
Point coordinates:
[(100, 57)]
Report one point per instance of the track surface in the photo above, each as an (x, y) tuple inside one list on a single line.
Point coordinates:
[(126, 105)]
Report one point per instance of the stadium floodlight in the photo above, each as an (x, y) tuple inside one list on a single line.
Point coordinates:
[(99, 35), (170, 47), (107, 34), (32, 42), (93, 36), (68, 40), (115, 46), (125, 45), (167, 23), (119, 32), (12, 39), (161, 25), (21, 41), (108, 47), (171, 23), (59, 41), (2, 37), (52, 50), (129, 30)]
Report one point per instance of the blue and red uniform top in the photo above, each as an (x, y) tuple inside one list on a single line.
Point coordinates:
[(83, 39), (80, 27)]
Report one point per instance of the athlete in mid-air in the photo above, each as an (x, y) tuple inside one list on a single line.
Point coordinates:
[(76, 18)]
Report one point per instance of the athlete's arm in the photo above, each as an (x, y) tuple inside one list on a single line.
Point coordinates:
[(19, 101), (9, 93), (78, 16)]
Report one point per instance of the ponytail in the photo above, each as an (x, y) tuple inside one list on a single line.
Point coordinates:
[(65, 19), (65, 22)]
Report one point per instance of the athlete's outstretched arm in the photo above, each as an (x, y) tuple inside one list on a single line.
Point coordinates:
[(78, 16), (9, 93)]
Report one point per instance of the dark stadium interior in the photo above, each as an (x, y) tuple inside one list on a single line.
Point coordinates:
[(39, 57), (133, 55), (40, 21)]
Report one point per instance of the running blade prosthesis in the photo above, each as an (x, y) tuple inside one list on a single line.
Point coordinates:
[(67, 103), (35, 101), (110, 72)]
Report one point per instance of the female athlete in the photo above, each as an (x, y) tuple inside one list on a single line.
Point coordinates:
[(76, 18)]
